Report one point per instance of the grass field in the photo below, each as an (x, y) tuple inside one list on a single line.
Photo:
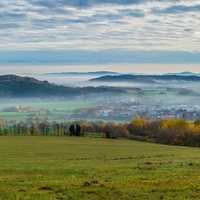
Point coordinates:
[(90, 168), (21, 116), (168, 97), (52, 105)]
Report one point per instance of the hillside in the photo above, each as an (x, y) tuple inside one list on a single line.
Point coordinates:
[(43, 167), (16, 86), (148, 78), (12, 86)]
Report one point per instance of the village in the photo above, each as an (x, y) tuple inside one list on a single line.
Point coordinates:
[(110, 108), (125, 109)]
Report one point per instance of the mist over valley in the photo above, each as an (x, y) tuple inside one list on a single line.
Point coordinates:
[(107, 96), (109, 78)]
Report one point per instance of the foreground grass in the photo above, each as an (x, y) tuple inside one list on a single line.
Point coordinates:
[(89, 168)]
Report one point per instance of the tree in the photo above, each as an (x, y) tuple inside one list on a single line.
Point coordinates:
[(121, 131), (136, 116), (2, 123), (47, 129), (78, 130), (72, 129), (46, 118), (18, 128), (32, 129), (42, 127), (37, 117), (136, 127), (197, 122), (75, 130), (56, 128), (24, 129), (109, 130), (5, 131), (100, 127)]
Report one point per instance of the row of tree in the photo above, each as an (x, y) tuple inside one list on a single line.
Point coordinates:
[(167, 131)]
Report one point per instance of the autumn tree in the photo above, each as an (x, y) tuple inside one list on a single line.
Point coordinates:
[(121, 131), (2, 123), (100, 128), (170, 129), (41, 128), (32, 129), (136, 127), (190, 136)]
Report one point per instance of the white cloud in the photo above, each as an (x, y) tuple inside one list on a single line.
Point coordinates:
[(83, 25)]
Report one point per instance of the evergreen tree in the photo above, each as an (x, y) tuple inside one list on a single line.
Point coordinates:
[(72, 129), (78, 130)]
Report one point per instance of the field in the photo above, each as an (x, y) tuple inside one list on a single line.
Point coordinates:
[(167, 97), (34, 167), (51, 105), (59, 106)]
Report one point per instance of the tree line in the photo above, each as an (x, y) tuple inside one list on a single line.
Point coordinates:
[(166, 131)]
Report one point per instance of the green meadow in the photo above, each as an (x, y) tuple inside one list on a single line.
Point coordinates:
[(51, 105), (167, 97), (38, 167), (58, 106)]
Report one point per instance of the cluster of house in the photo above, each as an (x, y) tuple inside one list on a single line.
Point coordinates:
[(189, 112), (153, 111)]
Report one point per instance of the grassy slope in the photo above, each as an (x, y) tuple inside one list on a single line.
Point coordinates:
[(89, 168)]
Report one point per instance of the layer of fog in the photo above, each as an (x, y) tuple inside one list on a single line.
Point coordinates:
[(84, 80), (69, 80), (80, 81)]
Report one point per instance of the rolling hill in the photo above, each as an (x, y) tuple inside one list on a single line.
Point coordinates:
[(16, 86), (148, 78)]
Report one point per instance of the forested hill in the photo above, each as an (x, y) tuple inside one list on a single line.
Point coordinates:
[(148, 78), (15, 86)]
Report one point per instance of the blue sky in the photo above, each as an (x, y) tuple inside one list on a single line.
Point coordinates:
[(100, 33)]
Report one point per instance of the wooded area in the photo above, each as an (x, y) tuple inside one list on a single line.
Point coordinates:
[(166, 131)]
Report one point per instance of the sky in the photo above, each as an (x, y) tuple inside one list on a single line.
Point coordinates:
[(90, 35)]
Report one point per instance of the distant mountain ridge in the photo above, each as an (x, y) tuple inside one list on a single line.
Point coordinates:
[(96, 73), (147, 78), (186, 73), (104, 73)]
